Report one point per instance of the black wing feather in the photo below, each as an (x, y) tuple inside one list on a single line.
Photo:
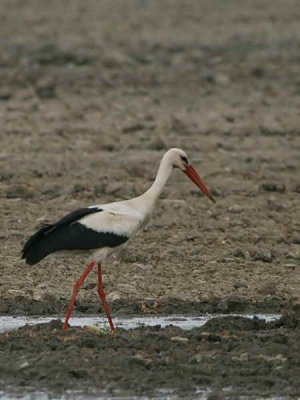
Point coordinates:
[(68, 234)]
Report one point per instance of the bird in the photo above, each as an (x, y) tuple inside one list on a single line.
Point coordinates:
[(104, 229)]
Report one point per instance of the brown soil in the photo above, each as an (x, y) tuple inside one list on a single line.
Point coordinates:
[(93, 93), (248, 357)]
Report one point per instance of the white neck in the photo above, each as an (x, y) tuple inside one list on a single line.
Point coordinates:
[(163, 174)]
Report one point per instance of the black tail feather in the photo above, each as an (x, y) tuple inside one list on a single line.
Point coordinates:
[(40, 244), (33, 250)]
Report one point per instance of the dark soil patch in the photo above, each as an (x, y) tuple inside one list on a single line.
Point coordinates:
[(251, 357)]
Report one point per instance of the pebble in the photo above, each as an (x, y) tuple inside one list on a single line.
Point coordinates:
[(99, 188), (89, 286), (179, 339), (242, 357), (19, 191), (239, 253), (16, 292), (142, 358), (52, 192), (263, 255), (116, 59), (157, 144), (78, 188), (36, 295), (141, 266), (296, 188), (113, 187), (268, 290), (295, 238), (230, 303), (222, 79), (278, 357), (239, 285), (133, 127), (271, 127), (113, 296), (198, 358), (273, 187), (137, 169), (235, 209), (24, 364)]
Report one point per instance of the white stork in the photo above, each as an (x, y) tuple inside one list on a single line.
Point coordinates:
[(105, 229)]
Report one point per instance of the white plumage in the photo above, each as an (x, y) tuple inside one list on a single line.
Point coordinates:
[(106, 228)]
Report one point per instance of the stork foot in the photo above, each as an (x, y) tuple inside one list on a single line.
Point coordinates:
[(76, 289), (102, 296)]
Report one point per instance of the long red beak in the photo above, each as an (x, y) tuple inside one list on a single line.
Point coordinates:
[(194, 176)]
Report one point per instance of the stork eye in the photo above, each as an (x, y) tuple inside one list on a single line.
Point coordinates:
[(184, 159)]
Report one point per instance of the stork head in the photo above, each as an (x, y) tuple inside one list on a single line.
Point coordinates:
[(179, 159)]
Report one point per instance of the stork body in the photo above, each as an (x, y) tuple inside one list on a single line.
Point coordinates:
[(104, 229)]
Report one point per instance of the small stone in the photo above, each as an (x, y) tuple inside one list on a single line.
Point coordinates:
[(235, 209), (179, 339), (273, 187), (142, 358), (99, 188), (52, 192), (78, 188), (113, 296), (36, 295), (19, 191), (227, 259), (133, 128), (5, 94), (115, 59), (239, 285), (197, 358), (296, 188), (258, 72), (222, 79), (239, 253), (263, 255), (244, 357), (279, 358), (141, 266), (268, 289), (113, 187), (157, 143), (89, 286), (231, 303), (295, 238), (271, 127), (16, 292), (137, 169), (24, 364)]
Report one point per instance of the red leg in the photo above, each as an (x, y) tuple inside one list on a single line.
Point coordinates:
[(76, 289), (103, 299)]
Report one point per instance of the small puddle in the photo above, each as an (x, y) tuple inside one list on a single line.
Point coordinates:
[(8, 323), (70, 395)]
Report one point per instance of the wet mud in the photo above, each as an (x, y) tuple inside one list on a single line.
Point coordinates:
[(229, 356)]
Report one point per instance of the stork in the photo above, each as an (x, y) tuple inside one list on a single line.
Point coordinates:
[(104, 229)]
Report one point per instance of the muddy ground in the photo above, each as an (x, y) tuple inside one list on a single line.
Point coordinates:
[(232, 357), (93, 93)]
